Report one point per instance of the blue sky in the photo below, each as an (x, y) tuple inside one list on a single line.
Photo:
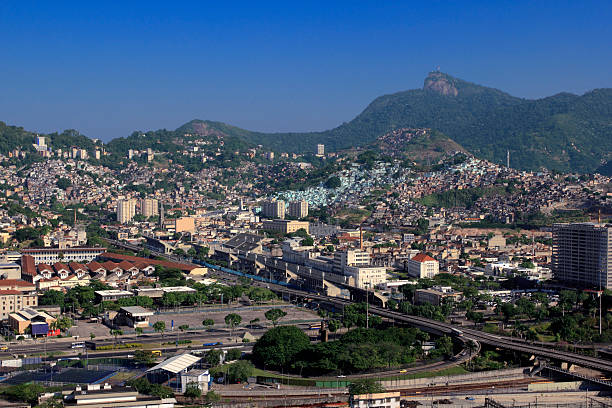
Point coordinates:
[(109, 68)]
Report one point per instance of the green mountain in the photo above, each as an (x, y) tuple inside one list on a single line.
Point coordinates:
[(563, 132), (15, 137)]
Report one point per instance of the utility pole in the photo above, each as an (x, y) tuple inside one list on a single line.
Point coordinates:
[(367, 305)]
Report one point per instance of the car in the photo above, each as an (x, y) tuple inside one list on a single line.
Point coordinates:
[(403, 371), (469, 398), (3, 348)]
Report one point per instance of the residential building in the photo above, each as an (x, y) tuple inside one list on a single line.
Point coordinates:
[(378, 400), (126, 209), (285, 226), (149, 207), (320, 150), (436, 295), (298, 209), (423, 266), (274, 209), (582, 254), (350, 257), (12, 300)]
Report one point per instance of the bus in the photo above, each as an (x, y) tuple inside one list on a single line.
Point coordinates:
[(78, 344), (456, 332), (156, 353), (216, 343)]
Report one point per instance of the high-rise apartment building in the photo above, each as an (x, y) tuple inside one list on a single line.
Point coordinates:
[(149, 207), (298, 209), (126, 209), (274, 209), (582, 254), (320, 150)]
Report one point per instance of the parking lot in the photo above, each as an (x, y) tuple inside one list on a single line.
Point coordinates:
[(194, 319)]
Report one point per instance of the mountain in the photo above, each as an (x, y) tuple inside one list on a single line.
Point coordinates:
[(418, 145), (563, 132), (15, 137)]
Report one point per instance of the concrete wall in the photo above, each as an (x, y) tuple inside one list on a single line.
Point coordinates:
[(485, 376)]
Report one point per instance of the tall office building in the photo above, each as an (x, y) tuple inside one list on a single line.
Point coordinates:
[(582, 254), (274, 209), (320, 150), (298, 209), (149, 207), (126, 209)]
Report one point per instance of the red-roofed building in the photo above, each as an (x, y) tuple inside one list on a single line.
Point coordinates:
[(45, 270), (17, 284), (166, 264), (96, 268), (423, 266), (78, 269), (28, 268), (61, 269)]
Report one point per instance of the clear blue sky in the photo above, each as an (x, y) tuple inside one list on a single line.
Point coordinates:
[(110, 68)]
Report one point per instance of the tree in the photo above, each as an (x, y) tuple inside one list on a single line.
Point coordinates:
[(159, 327), (24, 392), (92, 336), (144, 357), (253, 321), (274, 315), (240, 371), (333, 325), (63, 323), (233, 354), (444, 346), (279, 346), (213, 357), (333, 182), (183, 327), (212, 396), (232, 320), (139, 331), (365, 386), (208, 323), (116, 333), (192, 391)]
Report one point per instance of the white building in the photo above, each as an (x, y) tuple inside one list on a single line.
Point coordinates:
[(126, 209), (423, 266), (320, 150), (199, 377)]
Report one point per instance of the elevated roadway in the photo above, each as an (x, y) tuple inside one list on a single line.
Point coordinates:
[(436, 327)]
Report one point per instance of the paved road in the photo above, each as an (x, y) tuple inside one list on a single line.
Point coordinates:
[(446, 328)]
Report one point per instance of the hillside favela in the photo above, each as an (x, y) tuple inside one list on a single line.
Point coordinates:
[(448, 245)]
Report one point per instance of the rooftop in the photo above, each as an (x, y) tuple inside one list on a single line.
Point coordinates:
[(176, 364)]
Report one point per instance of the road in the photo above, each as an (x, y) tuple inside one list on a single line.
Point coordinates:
[(437, 327)]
